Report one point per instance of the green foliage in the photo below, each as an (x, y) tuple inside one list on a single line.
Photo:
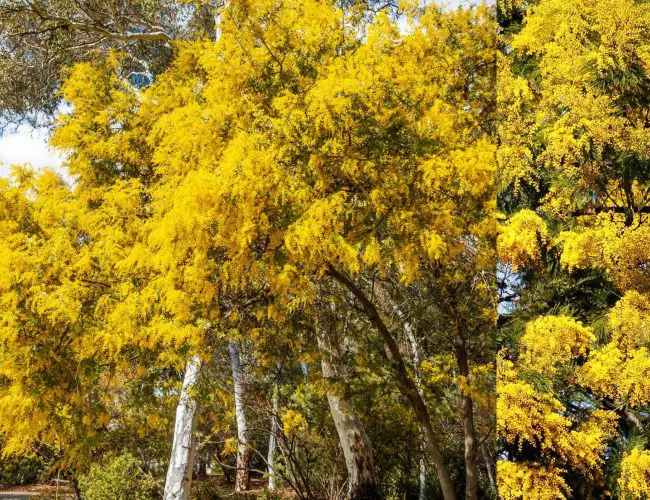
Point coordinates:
[(119, 478), (205, 490), (269, 495), (21, 470)]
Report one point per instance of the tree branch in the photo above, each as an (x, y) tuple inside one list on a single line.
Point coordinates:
[(75, 25)]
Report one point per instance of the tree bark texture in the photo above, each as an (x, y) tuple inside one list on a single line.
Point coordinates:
[(181, 463), (270, 458), (242, 478), (357, 450)]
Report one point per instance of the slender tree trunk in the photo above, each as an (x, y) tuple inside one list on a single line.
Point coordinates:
[(225, 470), (217, 19), (357, 450), (415, 353), (404, 381), (181, 463), (201, 469), (75, 487), (460, 351), (471, 471), (270, 459), (424, 478), (489, 465), (242, 478), (430, 438)]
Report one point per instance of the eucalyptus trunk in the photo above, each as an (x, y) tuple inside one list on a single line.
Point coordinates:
[(357, 449), (242, 478), (181, 463), (270, 458)]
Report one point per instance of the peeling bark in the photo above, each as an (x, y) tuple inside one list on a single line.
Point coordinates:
[(357, 450), (424, 479), (181, 463)]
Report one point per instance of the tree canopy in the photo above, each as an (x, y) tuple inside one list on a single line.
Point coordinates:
[(315, 187), (343, 249)]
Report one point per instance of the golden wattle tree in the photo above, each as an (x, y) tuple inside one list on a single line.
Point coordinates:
[(341, 160), (316, 158), (82, 353), (573, 393)]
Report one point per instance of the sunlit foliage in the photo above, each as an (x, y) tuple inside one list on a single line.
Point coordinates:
[(573, 89)]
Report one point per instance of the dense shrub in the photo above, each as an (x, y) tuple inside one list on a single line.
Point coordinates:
[(205, 490), (119, 478), (20, 470)]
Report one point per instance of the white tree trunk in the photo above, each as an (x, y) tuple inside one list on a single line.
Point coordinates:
[(357, 449), (270, 459), (424, 476), (217, 19), (181, 463), (217, 27), (242, 480)]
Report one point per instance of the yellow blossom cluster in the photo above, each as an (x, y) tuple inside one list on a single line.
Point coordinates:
[(522, 238), (517, 481), (634, 480), (550, 341), (572, 88)]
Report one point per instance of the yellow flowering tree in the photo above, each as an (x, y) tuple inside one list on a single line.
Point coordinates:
[(572, 391), (67, 382), (337, 161), (314, 158)]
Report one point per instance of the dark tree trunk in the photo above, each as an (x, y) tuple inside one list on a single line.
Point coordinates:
[(75, 487), (471, 474)]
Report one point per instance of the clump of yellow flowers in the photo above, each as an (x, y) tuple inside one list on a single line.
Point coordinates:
[(572, 395)]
